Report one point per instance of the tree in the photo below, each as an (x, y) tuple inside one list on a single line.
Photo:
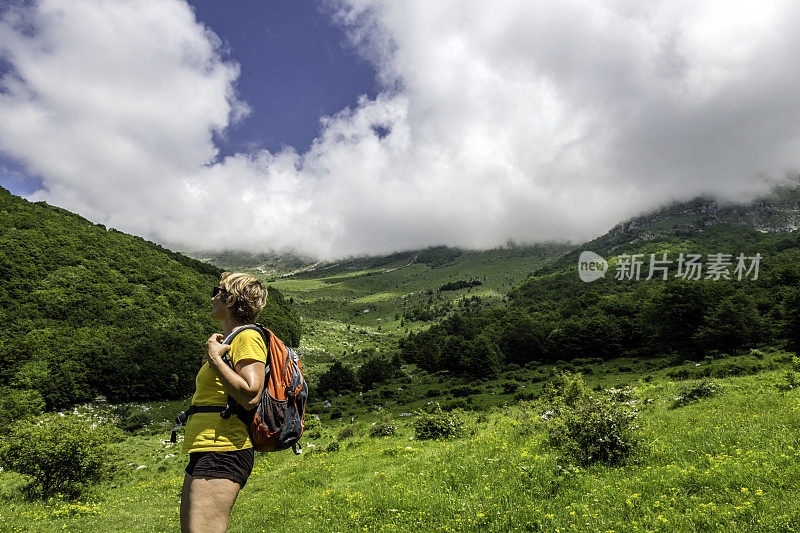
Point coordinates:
[(790, 324), (376, 367), (337, 378), (519, 337), (733, 323), (674, 314)]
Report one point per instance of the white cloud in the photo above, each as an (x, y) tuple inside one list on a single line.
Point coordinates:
[(528, 120)]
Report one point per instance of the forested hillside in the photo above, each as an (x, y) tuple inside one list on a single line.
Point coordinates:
[(86, 310), (554, 315)]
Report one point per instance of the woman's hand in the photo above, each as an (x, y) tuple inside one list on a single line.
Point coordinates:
[(245, 383), (215, 349)]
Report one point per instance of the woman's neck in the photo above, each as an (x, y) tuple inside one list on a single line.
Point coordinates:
[(229, 325)]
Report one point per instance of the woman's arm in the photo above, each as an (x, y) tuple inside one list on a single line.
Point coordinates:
[(246, 383)]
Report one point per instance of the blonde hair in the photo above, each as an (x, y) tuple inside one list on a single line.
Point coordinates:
[(250, 294)]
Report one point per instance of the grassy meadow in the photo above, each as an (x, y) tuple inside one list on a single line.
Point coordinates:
[(726, 462)]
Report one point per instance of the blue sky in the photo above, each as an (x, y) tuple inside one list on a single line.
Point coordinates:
[(297, 66), (345, 127)]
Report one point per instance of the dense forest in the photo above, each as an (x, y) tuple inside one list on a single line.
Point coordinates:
[(87, 310)]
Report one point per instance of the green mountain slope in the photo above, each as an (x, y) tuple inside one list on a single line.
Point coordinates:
[(87, 310)]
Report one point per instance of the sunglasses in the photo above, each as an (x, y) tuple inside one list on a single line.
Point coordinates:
[(217, 290)]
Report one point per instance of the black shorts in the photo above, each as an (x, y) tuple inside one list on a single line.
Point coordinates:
[(235, 466)]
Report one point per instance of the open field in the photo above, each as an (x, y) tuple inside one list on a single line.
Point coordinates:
[(729, 462)]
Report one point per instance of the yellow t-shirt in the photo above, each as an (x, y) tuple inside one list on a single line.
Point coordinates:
[(209, 432)]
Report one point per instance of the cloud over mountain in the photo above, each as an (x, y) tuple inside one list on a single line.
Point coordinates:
[(528, 120)]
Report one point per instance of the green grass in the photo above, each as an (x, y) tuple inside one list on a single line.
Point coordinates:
[(728, 462)]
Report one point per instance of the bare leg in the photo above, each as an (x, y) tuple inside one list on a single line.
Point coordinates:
[(206, 504)]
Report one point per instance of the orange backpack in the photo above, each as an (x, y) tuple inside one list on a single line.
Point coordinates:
[(278, 420)]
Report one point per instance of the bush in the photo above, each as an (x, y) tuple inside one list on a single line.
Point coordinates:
[(438, 425), (129, 419), (678, 373), (596, 430), (463, 390), (346, 432), (459, 403), (525, 396), (738, 367), (376, 368), (790, 380), (566, 389), (693, 392), (510, 387), (587, 427), (384, 428), (741, 366), (61, 454)]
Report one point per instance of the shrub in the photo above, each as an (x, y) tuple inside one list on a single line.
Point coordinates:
[(790, 380), (438, 425), (459, 403), (129, 419), (510, 387), (567, 389), (386, 393), (312, 422), (738, 367), (678, 373), (596, 430), (376, 367), (333, 447), (346, 432), (693, 392), (590, 428), (384, 428), (338, 378), (463, 390), (536, 377), (61, 454), (525, 396)]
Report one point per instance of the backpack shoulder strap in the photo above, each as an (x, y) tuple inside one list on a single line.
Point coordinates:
[(227, 340)]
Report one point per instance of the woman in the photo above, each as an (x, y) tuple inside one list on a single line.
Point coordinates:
[(220, 451)]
